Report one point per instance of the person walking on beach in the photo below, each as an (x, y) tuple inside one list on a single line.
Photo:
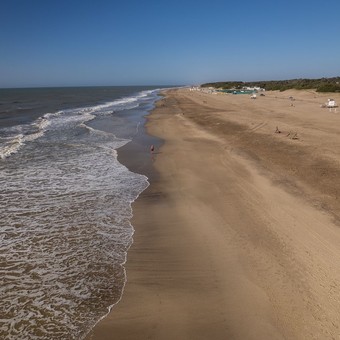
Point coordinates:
[(152, 148)]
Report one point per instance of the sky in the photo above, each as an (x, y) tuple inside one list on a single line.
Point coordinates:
[(102, 42)]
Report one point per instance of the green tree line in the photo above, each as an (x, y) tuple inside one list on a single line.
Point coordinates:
[(320, 85)]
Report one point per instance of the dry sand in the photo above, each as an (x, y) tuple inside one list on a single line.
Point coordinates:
[(238, 235)]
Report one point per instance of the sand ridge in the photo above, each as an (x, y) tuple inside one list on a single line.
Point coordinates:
[(237, 237)]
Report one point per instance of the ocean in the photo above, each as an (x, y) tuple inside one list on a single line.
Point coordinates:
[(65, 205)]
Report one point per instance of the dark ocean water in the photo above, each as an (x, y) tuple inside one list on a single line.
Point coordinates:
[(65, 206)]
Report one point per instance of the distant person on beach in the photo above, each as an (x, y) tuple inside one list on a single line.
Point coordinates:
[(152, 148)]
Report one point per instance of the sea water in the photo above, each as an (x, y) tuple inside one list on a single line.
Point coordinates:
[(65, 206)]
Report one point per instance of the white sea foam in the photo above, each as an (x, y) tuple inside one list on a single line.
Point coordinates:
[(65, 226), (10, 146), (68, 119), (116, 105), (62, 119), (65, 234)]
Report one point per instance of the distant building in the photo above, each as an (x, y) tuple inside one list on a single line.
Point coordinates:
[(253, 88)]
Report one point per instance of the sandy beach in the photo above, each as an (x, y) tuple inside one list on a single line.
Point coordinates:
[(238, 235)]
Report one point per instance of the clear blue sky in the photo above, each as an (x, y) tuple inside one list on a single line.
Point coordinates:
[(128, 42)]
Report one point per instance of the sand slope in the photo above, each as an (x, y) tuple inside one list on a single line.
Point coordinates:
[(238, 235)]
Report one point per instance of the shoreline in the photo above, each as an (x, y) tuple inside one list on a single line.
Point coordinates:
[(136, 157), (239, 220)]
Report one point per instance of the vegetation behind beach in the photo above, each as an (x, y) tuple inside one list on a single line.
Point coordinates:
[(321, 85)]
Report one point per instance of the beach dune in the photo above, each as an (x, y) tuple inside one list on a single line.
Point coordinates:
[(238, 235)]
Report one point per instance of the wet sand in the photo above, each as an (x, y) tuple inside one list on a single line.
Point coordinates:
[(238, 235)]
